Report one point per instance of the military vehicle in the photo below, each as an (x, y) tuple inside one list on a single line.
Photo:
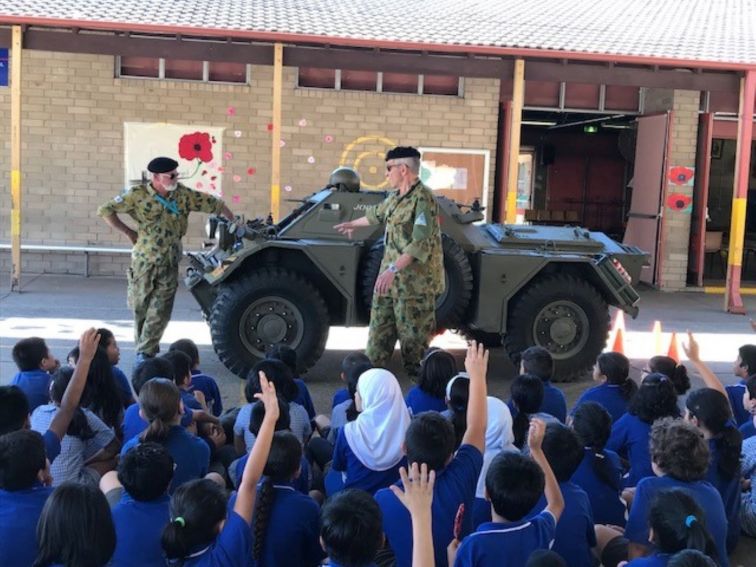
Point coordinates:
[(518, 285)]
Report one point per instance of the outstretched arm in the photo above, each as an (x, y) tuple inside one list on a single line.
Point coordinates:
[(692, 351), (476, 364), (417, 497)]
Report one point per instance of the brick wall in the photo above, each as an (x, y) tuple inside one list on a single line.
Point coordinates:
[(72, 133)]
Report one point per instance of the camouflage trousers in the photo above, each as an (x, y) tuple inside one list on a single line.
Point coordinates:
[(151, 291), (410, 319)]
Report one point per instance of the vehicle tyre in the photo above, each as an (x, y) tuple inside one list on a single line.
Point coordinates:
[(451, 306), (565, 315), (266, 307)]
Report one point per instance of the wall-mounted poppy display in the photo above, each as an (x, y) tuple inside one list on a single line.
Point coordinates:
[(680, 202), (680, 175)]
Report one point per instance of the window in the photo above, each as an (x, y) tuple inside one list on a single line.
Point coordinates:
[(387, 82), (182, 69), (140, 67), (399, 83)]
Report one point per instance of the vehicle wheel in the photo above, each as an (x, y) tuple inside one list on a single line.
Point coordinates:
[(451, 306), (267, 307), (565, 315)]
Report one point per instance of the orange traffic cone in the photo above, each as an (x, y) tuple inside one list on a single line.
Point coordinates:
[(619, 342), (672, 352), (656, 335)]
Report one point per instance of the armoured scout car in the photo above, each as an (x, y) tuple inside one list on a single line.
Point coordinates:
[(264, 283)]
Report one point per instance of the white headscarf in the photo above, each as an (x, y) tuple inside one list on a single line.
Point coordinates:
[(499, 437), (376, 436)]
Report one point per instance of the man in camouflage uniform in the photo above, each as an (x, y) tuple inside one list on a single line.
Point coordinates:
[(412, 272), (160, 209)]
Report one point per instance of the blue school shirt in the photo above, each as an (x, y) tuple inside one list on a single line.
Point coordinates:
[(575, 533), (419, 401), (341, 395), (35, 384), (729, 490), (554, 402), (735, 393), (607, 506), (232, 547), (138, 527), (52, 445), (455, 485), (705, 495), (607, 396), (292, 538), (133, 424), (301, 483), (124, 388), (330, 563), (208, 386), (191, 455), (355, 474), (655, 560), (19, 514), (747, 429), (303, 397), (629, 439), (189, 400), (509, 543)]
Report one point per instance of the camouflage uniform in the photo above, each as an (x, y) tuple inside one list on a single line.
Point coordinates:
[(153, 274), (408, 311)]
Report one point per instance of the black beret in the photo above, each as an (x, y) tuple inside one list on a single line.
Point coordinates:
[(402, 152), (162, 165)]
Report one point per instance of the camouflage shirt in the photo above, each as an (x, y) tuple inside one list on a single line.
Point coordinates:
[(412, 227), (161, 221)]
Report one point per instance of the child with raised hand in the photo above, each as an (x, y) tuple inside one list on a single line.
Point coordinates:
[(101, 394), (514, 484), (417, 497), (436, 369), (615, 387), (457, 396), (200, 381), (200, 532), (538, 361), (35, 363)]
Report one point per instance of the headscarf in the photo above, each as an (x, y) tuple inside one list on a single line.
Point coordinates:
[(499, 437), (377, 435)]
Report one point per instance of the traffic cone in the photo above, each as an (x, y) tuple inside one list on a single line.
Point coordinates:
[(619, 320), (656, 335), (672, 352), (619, 341)]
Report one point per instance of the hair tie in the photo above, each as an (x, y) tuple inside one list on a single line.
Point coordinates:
[(454, 378), (690, 520), (178, 520)]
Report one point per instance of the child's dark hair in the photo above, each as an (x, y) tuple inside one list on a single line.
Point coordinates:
[(79, 426), (593, 426), (656, 398), (563, 450), (675, 372), (436, 369), (751, 387), (106, 335), (526, 393), (28, 353), (616, 367), (352, 378), (514, 483), (160, 402), (188, 347), (257, 415), (713, 411), (73, 354), (679, 523), (278, 373), (75, 528), (282, 466), (537, 361), (146, 471), (285, 354), (155, 367), (430, 439), (353, 359), (351, 528), (545, 558), (747, 354), (14, 409), (691, 558), (679, 450), (196, 509), (182, 365), (101, 394), (22, 456), (457, 396)]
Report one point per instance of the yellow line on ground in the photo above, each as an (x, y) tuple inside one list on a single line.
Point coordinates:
[(719, 290)]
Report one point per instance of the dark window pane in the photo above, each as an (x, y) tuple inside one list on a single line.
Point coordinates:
[(359, 80), (317, 78), (140, 66), (227, 72), (183, 69), (441, 85), (399, 83)]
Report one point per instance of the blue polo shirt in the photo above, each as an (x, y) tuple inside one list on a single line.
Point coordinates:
[(191, 455), (607, 396), (729, 490), (189, 400), (303, 398), (232, 547), (341, 395), (35, 384), (629, 439), (554, 402), (607, 506), (133, 424), (735, 393), (455, 485), (52, 445), (510, 543), (209, 387), (19, 514), (124, 388), (747, 429), (655, 560), (301, 483), (705, 495), (418, 401), (139, 526)]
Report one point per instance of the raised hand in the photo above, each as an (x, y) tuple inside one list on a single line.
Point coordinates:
[(535, 434), (268, 397), (88, 343), (417, 495), (476, 361)]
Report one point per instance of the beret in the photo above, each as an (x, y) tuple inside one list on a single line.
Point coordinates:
[(162, 165), (402, 152)]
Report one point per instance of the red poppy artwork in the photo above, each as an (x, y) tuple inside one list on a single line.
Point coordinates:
[(681, 175), (196, 146), (680, 202)]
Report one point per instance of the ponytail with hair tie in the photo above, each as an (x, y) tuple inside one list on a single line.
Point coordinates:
[(690, 520), (179, 521)]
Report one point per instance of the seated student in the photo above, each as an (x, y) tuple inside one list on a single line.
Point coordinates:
[(545, 558), (14, 405), (616, 388), (201, 532), (200, 381), (138, 496), (35, 363), (182, 376), (109, 343), (457, 396), (160, 404), (436, 369), (538, 362), (514, 484), (748, 497), (285, 523), (75, 527), (288, 356), (600, 471), (748, 429), (101, 394), (346, 411), (744, 366), (675, 372), (691, 558), (526, 396), (89, 447), (656, 398), (368, 450), (351, 531), (24, 488), (350, 360), (430, 440)]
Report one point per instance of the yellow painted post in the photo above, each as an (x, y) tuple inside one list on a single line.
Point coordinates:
[(275, 150), (518, 97), (15, 173)]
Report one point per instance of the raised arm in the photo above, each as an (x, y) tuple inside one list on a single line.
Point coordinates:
[(554, 499), (417, 497), (692, 351), (476, 365)]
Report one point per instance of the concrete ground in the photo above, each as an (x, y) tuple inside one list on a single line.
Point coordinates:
[(58, 308)]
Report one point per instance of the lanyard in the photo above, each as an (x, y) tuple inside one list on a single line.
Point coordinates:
[(170, 206)]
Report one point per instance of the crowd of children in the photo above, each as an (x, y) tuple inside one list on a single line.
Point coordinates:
[(99, 470)]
